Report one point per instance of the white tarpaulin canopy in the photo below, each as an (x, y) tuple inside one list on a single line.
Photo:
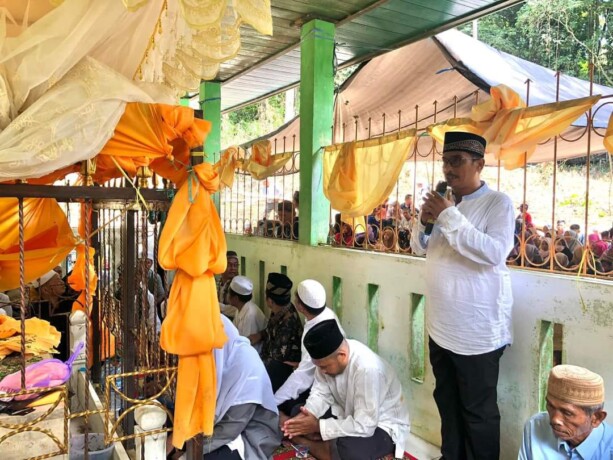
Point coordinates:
[(448, 66)]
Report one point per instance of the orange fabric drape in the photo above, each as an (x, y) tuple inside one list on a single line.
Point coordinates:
[(155, 135), (77, 281), (193, 243), (48, 239), (511, 129)]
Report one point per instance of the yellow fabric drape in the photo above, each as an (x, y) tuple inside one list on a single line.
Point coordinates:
[(511, 129), (48, 239), (608, 137), (41, 336), (193, 243), (358, 176), (155, 135)]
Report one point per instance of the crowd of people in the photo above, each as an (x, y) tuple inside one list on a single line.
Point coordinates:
[(561, 247), (284, 223), (389, 226)]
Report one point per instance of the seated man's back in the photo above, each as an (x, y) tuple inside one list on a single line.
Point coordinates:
[(246, 417)]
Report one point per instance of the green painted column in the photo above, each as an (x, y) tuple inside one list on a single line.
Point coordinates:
[(210, 103), (316, 115)]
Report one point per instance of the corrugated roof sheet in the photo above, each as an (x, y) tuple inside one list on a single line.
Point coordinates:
[(365, 29)]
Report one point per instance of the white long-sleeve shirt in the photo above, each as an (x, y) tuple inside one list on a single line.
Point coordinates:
[(468, 285), (365, 396), (302, 378), (250, 320)]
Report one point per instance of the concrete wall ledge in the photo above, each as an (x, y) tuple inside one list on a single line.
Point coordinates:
[(582, 306)]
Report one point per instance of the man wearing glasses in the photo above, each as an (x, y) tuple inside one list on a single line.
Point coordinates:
[(468, 298)]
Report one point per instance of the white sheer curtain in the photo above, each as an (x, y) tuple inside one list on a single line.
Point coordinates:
[(59, 102), (65, 80)]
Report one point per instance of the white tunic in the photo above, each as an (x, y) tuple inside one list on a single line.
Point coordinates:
[(250, 320), (468, 285), (302, 378), (365, 396)]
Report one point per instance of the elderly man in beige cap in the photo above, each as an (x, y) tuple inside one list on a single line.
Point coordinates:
[(572, 427)]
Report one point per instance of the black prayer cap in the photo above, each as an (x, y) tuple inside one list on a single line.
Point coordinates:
[(464, 142), (278, 288), (231, 254), (323, 339)]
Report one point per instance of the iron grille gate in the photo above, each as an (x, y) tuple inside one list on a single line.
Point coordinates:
[(126, 364)]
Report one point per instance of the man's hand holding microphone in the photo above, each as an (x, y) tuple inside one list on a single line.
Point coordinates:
[(434, 204)]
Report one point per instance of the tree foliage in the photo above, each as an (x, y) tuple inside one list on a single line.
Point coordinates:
[(564, 35)]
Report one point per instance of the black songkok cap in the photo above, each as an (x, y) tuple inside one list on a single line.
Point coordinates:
[(231, 254), (323, 339), (464, 142), (278, 288)]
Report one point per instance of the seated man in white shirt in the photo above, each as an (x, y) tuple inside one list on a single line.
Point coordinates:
[(310, 300), (249, 318), (362, 393)]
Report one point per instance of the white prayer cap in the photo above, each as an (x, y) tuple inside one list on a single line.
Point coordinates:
[(312, 294), (241, 285)]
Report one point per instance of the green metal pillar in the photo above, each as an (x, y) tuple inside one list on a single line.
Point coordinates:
[(210, 103), (316, 115)]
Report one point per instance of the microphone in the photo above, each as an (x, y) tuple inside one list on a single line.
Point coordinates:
[(441, 188)]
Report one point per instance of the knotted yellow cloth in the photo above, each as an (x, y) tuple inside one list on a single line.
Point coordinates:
[(511, 129), (193, 243), (261, 164)]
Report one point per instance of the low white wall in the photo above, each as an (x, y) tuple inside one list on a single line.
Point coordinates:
[(587, 340)]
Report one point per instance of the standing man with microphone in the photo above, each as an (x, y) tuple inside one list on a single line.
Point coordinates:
[(468, 298)]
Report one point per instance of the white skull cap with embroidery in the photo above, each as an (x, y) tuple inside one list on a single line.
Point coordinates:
[(241, 285), (312, 294)]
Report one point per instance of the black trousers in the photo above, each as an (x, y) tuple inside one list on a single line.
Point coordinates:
[(466, 397), (278, 373), (378, 445), (223, 453), (373, 447), (291, 407)]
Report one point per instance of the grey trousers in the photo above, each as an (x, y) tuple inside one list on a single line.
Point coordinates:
[(259, 428)]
